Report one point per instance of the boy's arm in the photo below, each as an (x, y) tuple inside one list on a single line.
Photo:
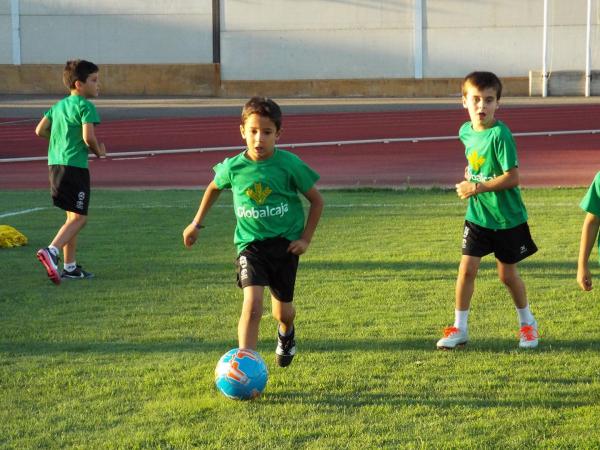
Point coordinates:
[(591, 224), (507, 180), (43, 128), (89, 137), (190, 234), (314, 214)]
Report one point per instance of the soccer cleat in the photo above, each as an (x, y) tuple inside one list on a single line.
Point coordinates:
[(529, 335), (77, 274), (50, 263), (453, 337), (286, 349)]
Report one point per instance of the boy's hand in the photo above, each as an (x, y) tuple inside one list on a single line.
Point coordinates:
[(190, 235), (298, 247), (584, 278), (466, 189), (101, 150)]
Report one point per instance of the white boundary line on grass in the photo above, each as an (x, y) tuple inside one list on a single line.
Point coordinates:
[(25, 211), (117, 155)]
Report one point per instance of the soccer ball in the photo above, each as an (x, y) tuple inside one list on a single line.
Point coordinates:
[(241, 374)]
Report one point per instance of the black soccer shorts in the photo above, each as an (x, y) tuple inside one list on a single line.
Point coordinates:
[(509, 246), (70, 188), (268, 263)]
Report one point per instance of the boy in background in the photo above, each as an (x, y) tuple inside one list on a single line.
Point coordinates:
[(589, 233), (496, 218), (69, 126), (271, 233)]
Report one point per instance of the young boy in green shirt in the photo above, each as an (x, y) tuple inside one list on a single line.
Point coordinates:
[(270, 233), (589, 233), (69, 126), (496, 218)]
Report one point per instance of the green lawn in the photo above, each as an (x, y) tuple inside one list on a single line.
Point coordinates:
[(126, 360)]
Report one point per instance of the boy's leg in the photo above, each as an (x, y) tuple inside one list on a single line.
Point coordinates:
[(49, 257), (72, 226), (250, 317), (465, 286), (284, 313), (465, 282), (509, 275)]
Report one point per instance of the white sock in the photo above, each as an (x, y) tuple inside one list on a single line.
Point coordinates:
[(53, 250), (525, 316), (460, 319), (70, 267)]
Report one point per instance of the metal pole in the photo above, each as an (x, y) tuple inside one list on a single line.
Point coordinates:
[(545, 52), (418, 36), (16, 32), (216, 26), (588, 50)]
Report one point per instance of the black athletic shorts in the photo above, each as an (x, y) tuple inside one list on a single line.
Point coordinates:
[(268, 263), (70, 188), (509, 246)]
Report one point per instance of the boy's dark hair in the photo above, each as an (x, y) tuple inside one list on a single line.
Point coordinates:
[(78, 70), (483, 80), (263, 106)]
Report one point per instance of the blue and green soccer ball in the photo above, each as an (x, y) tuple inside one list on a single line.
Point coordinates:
[(241, 374)]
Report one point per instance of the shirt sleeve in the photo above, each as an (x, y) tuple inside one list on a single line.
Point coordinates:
[(303, 176), (48, 114), (506, 150), (591, 201), (89, 113), (222, 175)]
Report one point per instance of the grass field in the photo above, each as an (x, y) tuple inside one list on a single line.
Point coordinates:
[(126, 360)]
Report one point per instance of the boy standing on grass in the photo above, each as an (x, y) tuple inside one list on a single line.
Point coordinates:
[(496, 218), (69, 126), (270, 234), (589, 233)]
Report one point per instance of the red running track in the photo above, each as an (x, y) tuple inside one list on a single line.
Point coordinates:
[(544, 161)]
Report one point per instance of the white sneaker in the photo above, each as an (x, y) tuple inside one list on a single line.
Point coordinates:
[(453, 337), (529, 336)]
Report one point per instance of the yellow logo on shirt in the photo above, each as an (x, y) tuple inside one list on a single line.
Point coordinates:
[(475, 160), (259, 194)]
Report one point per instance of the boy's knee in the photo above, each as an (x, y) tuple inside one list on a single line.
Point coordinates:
[(252, 314), (284, 314), (508, 279), (467, 272)]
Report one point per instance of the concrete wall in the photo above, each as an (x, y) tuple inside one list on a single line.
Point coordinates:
[(111, 31), (5, 33), (117, 79), (322, 39), (316, 39), (309, 47)]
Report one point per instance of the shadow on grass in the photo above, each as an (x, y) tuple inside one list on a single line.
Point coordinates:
[(362, 399), (439, 269), (307, 346)]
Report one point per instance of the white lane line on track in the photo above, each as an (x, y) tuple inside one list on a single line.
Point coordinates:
[(307, 144), (11, 122)]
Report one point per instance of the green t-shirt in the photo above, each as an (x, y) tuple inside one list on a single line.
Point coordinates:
[(67, 146), (591, 202), (490, 153), (265, 195)]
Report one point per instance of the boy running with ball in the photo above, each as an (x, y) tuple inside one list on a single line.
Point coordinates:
[(271, 233)]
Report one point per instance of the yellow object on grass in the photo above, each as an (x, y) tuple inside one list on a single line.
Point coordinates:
[(9, 237)]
